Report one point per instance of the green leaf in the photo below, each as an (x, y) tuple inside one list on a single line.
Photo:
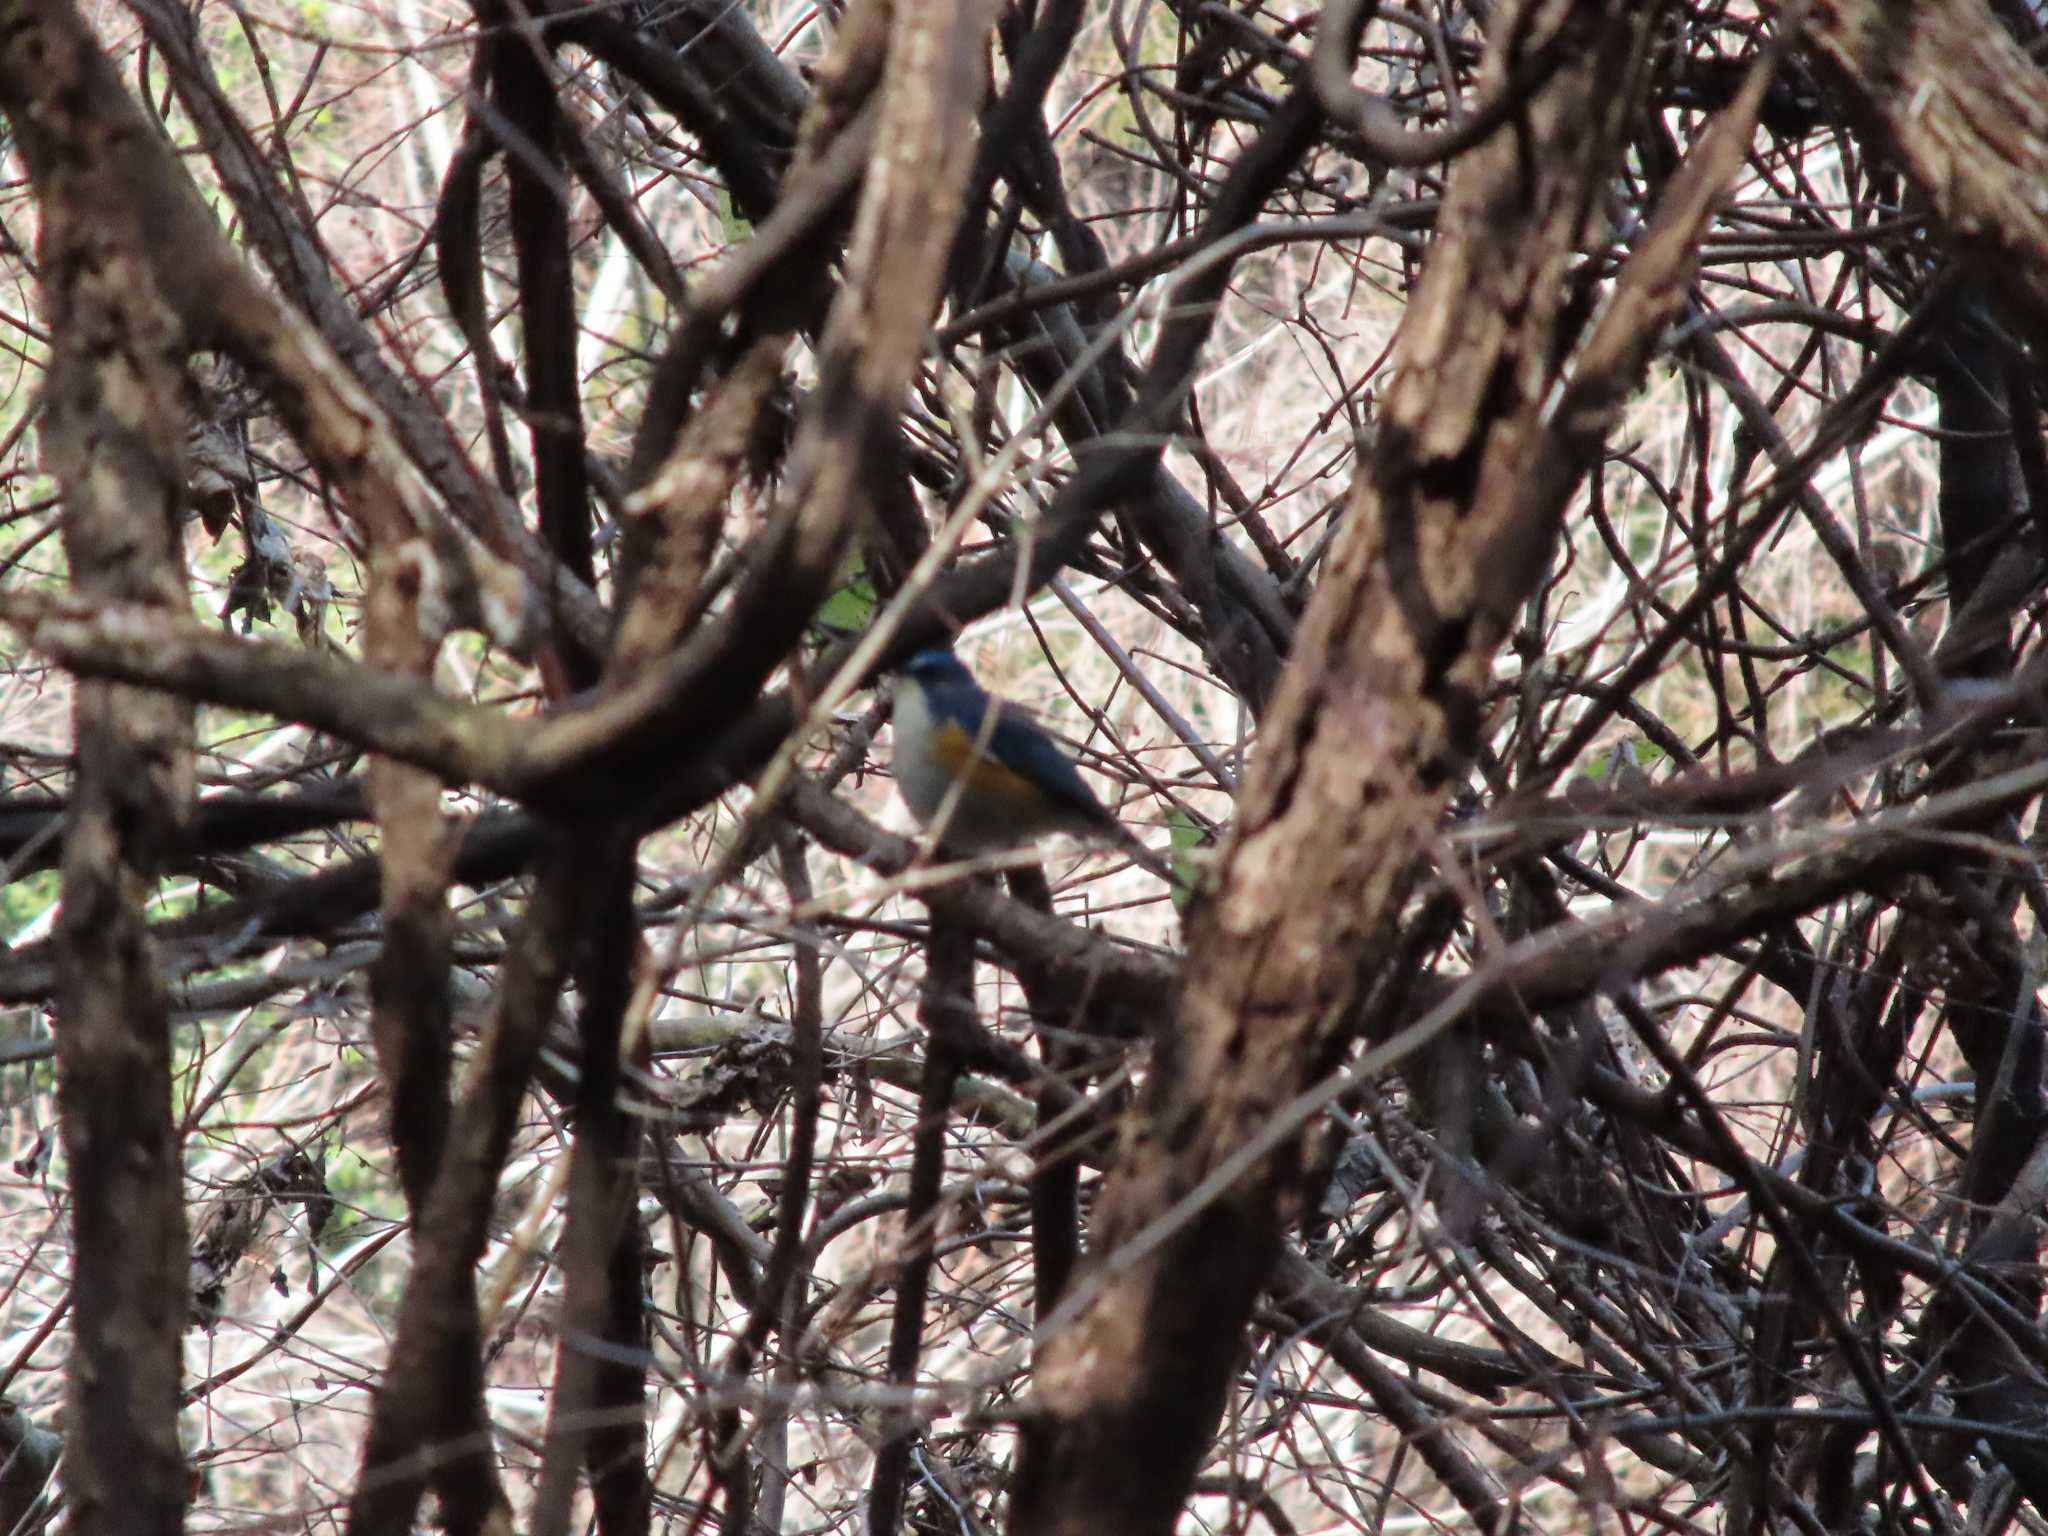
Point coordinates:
[(1184, 836), (849, 609), (736, 228)]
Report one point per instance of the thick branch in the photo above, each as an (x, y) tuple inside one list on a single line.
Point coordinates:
[(1376, 716)]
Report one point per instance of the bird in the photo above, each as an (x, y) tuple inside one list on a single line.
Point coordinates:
[(1016, 784)]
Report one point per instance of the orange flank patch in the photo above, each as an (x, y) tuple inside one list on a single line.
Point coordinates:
[(954, 749)]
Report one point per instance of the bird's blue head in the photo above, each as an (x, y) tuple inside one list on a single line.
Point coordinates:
[(937, 667), (948, 688)]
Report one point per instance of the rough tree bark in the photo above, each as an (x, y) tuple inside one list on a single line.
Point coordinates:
[(114, 435), (1483, 437)]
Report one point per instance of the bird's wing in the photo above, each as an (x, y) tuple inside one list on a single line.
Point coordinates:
[(1021, 746), (1019, 762), (986, 773)]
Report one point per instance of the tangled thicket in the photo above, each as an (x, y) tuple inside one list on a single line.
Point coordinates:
[(1538, 508)]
